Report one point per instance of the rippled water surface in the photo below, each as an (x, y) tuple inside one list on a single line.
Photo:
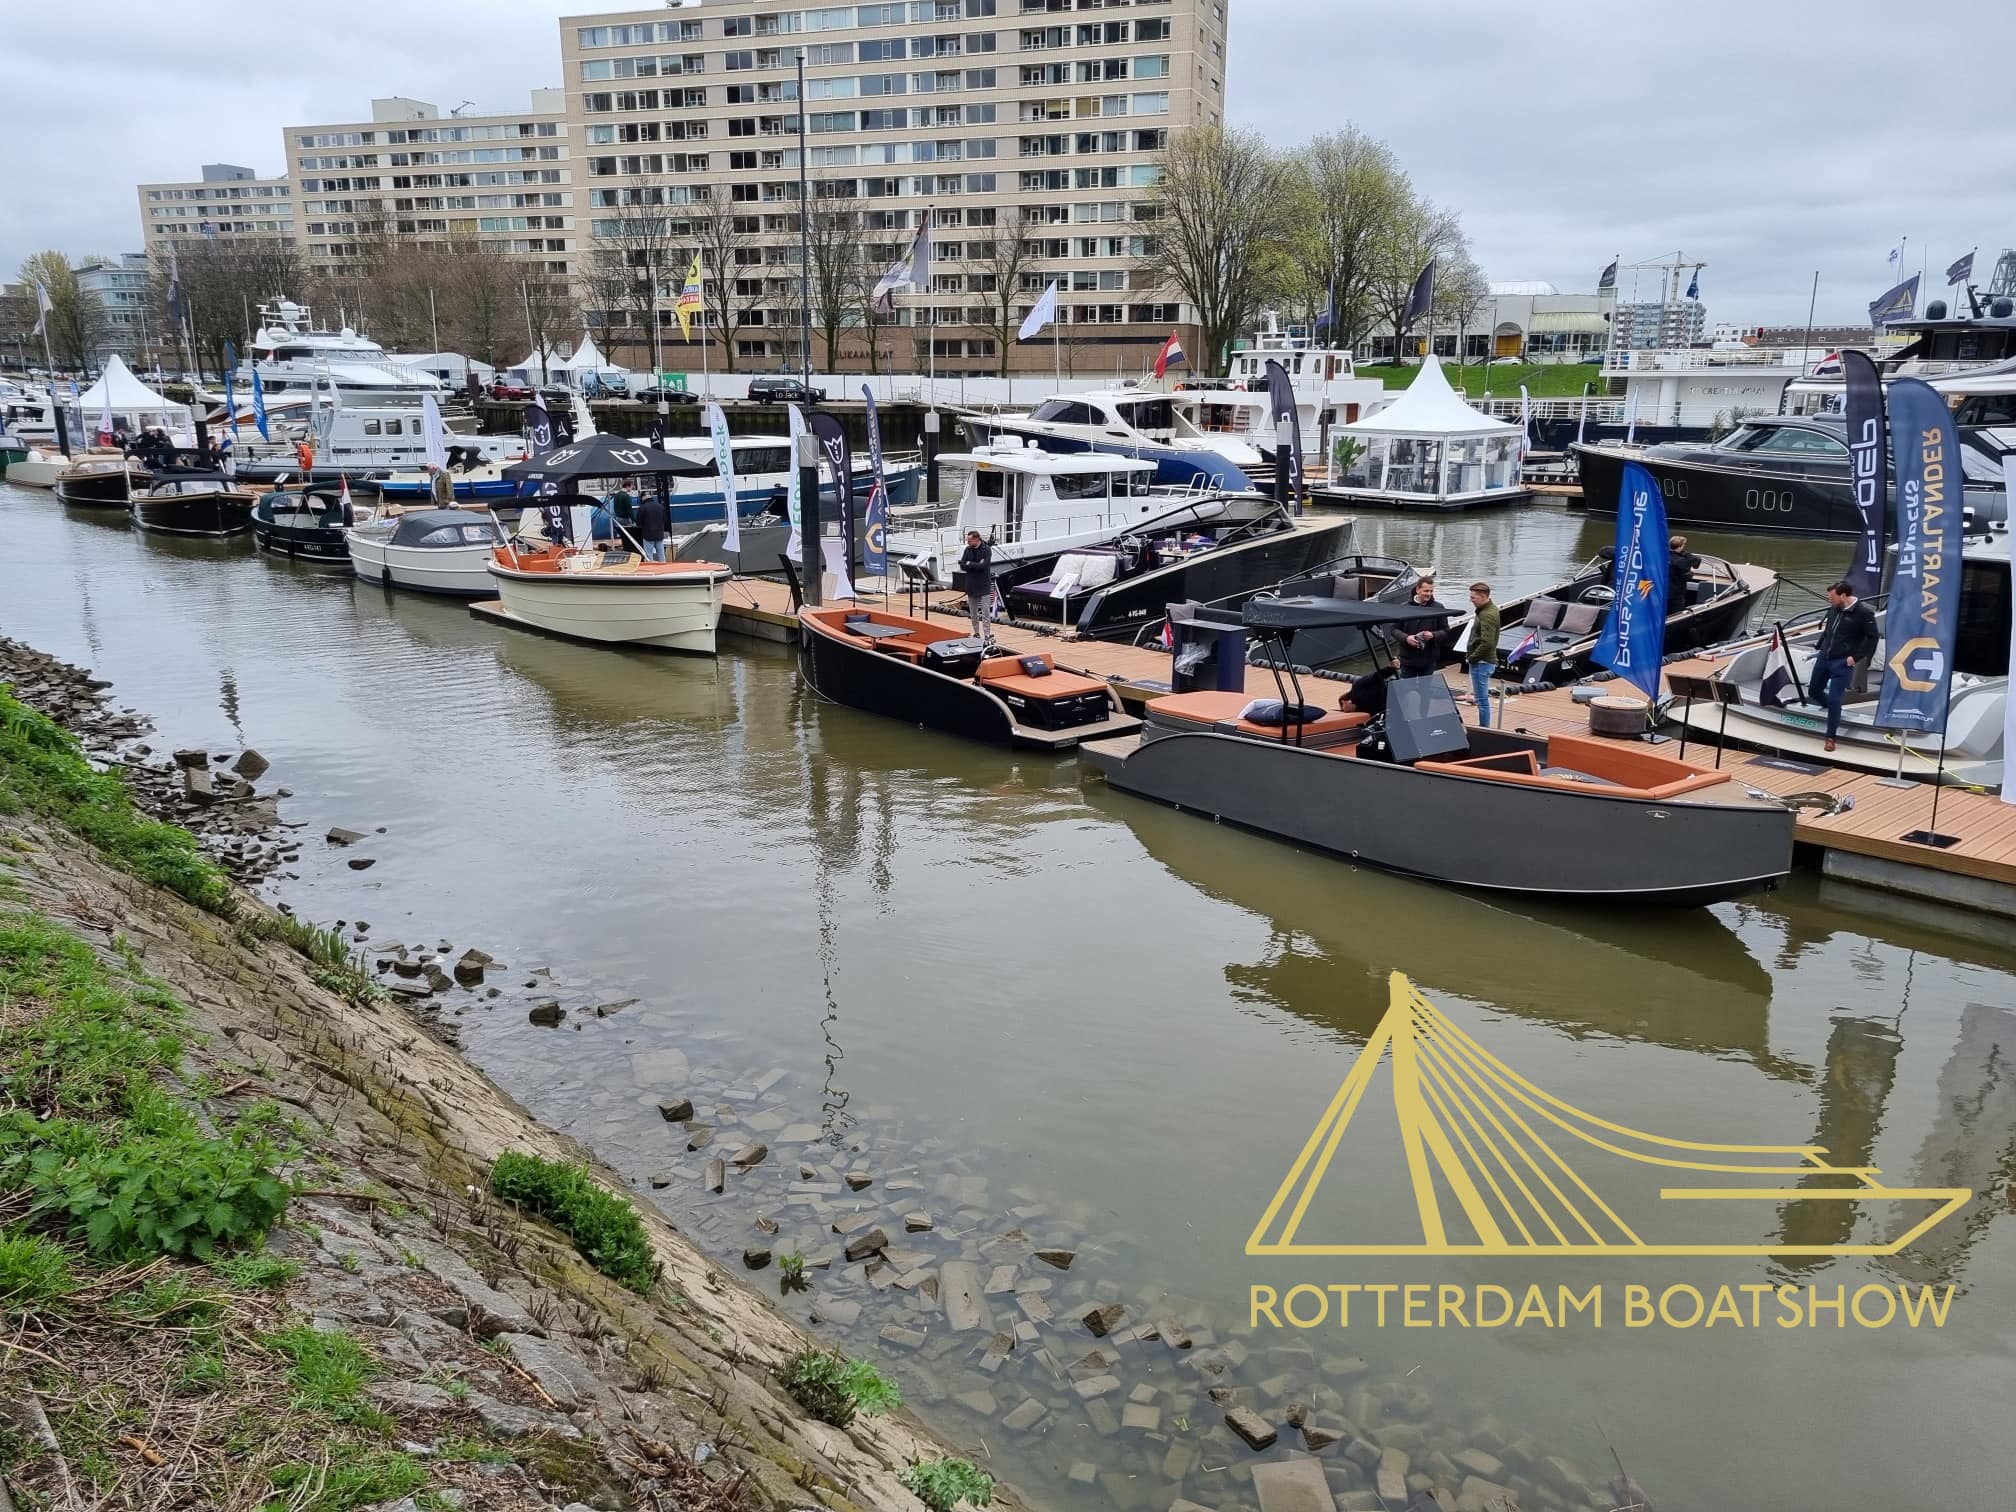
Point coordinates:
[(1022, 1004)]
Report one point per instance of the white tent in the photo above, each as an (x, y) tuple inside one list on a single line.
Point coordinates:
[(586, 358), (533, 370), (132, 404), (1428, 448)]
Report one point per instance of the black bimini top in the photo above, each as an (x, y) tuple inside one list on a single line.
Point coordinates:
[(1325, 613)]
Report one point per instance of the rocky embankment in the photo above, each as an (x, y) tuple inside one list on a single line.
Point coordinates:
[(404, 1339)]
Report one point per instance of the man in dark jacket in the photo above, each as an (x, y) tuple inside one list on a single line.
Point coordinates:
[(1847, 641), (654, 523), (1421, 649), (977, 562)]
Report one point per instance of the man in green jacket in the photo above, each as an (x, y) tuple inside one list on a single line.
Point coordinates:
[(1480, 654)]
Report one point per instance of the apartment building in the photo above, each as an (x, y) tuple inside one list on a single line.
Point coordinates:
[(410, 173), (228, 201), (1042, 115), (120, 288)]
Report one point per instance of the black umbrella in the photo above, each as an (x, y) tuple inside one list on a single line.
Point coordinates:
[(603, 456)]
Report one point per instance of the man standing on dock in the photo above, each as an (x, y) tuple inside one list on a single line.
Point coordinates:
[(1480, 652), (977, 562), (1847, 641)]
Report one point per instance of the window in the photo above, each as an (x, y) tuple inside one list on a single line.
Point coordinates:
[(1156, 67), (736, 26), (737, 61), (1151, 104)]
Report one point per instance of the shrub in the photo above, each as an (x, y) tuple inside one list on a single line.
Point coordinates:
[(942, 1483), (43, 770), (603, 1226), (834, 1388)]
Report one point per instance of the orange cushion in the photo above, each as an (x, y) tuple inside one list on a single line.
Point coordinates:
[(995, 668), (1048, 689)]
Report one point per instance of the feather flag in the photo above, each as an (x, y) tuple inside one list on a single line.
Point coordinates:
[(1608, 278), (1778, 687), (794, 492), (259, 407), (724, 463), (42, 308), (875, 518), (691, 299), (1634, 636), (1422, 298)]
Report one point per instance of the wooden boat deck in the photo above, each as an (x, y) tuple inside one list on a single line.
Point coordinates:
[(1982, 861)]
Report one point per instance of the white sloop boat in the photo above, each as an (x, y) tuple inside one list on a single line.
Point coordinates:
[(615, 598)]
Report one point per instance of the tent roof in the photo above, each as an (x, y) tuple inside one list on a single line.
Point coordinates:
[(1429, 408), (585, 356), (118, 389)]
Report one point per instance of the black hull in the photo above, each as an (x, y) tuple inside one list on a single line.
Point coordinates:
[(1226, 577), (302, 545), (362, 480), (193, 517), (1710, 498), (98, 491), (1464, 832), (1709, 625)]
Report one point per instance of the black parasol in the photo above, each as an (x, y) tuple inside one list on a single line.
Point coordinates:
[(603, 456)]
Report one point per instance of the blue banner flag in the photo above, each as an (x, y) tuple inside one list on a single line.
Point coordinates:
[(724, 464), (875, 537), (1921, 620), (1634, 640), (1895, 304), (230, 372), (259, 407), (1961, 270)]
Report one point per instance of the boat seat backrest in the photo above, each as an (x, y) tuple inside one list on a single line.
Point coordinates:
[(1349, 589), (1543, 614), (996, 668), (1580, 619)]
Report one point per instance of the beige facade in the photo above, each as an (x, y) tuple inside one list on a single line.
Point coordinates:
[(228, 202), (411, 173), (1043, 114)]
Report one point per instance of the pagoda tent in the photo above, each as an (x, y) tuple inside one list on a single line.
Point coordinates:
[(1429, 450), (132, 405)]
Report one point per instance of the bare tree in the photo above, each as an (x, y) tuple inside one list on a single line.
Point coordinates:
[(995, 268), (481, 300), (224, 281), (1222, 208), (75, 318), (839, 267), (1423, 233), (635, 250), (726, 232), (1347, 192)]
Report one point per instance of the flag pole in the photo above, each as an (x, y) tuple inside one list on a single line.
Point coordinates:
[(1806, 357)]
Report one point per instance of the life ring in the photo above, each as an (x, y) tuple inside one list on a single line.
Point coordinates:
[(304, 453)]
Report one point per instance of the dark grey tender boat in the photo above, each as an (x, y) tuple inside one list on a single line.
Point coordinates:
[(1415, 791)]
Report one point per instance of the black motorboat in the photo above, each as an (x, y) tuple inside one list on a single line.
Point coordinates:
[(306, 524), (1784, 474), (101, 482), (1123, 591), (192, 502), (1412, 789), (1545, 638), (922, 673)]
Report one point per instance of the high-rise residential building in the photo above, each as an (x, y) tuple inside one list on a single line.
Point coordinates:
[(228, 202), (413, 175), (1040, 118), (1656, 326), (120, 289)]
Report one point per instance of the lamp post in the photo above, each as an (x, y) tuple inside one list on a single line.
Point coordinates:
[(804, 241)]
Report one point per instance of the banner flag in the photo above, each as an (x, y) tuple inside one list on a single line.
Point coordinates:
[(1921, 621), (875, 537), (1634, 640), (1868, 470), (724, 463)]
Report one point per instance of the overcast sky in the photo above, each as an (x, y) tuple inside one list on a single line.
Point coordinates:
[(1767, 138)]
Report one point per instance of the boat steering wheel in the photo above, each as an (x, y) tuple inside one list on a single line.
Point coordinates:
[(1597, 593)]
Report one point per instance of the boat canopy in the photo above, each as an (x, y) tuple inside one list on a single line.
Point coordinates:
[(1323, 613)]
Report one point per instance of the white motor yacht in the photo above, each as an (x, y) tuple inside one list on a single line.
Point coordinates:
[(1238, 408), (292, 357), (1125, 422)]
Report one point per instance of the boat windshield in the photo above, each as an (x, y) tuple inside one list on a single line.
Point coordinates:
[(1782, 439), (1066, 412), (1149, 414)]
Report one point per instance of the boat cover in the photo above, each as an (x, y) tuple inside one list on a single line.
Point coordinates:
[(1326, 613)]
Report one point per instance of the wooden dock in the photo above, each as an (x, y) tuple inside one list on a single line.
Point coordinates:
[(1863, 843)]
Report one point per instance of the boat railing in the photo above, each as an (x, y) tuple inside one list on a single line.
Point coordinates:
[(1682, 359)]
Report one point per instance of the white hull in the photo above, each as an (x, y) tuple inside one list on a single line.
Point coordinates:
[(458, 570), (1048, 538), (34, 474), (670, 613)]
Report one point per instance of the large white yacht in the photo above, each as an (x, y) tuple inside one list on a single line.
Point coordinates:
[(1238, 408), (292, 358), (1127, 422)]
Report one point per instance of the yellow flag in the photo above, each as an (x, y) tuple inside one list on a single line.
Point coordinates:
[(688, 304)]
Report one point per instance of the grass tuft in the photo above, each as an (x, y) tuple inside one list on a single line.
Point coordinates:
[(603, 1226), (329, 1370)]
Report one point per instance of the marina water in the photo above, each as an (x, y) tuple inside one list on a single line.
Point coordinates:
[(1104, 1024)]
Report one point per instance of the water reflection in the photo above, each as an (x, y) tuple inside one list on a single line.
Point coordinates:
[(1972, 1143), (1685, 980)]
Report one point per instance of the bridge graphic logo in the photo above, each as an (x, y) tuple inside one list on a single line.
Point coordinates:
[(1488, 1163)]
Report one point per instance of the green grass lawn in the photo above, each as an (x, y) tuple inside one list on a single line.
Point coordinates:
[(1557, 380)]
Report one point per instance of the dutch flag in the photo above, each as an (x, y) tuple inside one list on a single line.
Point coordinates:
[(1525, 648), (1172, 352), (1778, 686)]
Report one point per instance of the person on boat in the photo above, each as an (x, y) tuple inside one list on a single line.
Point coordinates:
[(440, 487), (1421, 650), (654, 524), (622, 504), (1847, 641), (1680, 565), (1366, 694), (977, 562), (1480, 653)]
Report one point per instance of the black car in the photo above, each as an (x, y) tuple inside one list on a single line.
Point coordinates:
[(783, 391), (674, 396)]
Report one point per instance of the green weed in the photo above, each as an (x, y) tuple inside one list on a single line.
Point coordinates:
[(834, 1388), (942, 1483), (354, 1477), (203, 1368), (603, 1226), (34, 1273), (256, 1272), (328, 1370)]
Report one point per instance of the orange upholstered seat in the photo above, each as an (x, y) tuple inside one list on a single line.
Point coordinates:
[(1211, 709)]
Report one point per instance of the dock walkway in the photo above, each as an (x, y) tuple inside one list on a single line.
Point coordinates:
[(1863, 843)]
